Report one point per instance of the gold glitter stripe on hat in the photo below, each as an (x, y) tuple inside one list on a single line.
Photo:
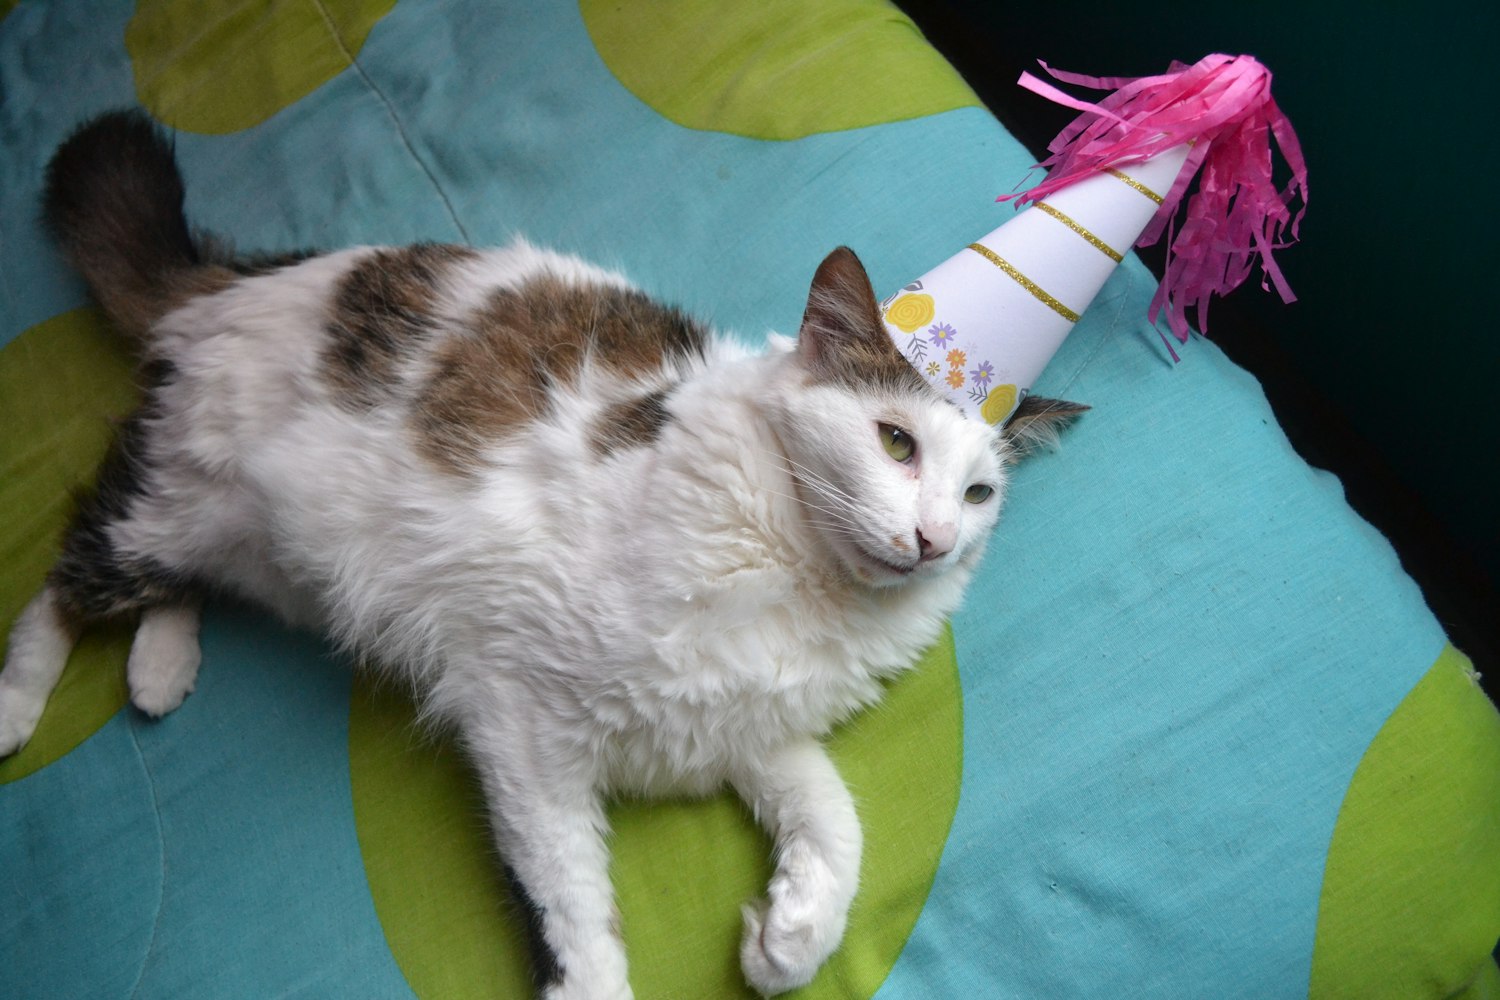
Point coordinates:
[(1143, 189), (1093, 240), (1025, 282)]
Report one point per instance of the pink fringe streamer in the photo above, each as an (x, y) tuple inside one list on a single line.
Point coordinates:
[(1222, 104)]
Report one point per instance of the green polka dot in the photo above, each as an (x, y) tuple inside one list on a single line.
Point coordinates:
[(60, 382), (681, 869), (432, 873), (1411, 893), (775, 69), (217, 66)]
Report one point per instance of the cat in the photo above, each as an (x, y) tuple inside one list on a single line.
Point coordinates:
[(614, 551)]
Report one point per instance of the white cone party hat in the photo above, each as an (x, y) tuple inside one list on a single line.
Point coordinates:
[(983, 324)]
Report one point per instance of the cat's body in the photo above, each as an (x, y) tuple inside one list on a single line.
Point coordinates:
[(615, 552)]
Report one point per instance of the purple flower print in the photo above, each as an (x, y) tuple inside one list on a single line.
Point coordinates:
[(941, 334), (984, 374)]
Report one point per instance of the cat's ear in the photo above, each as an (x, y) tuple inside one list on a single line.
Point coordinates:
[(1037, 423), (842, 334)]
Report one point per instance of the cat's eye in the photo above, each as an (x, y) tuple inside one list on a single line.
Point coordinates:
[(898, 444), (978, 493)]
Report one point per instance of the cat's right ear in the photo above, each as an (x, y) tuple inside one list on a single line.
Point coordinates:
[(1037, 423), (842, 333)]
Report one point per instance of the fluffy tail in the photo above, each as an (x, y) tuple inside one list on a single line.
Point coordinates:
[(113, 202)]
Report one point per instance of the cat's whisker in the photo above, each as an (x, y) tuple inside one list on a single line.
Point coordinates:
[(847, 514), (834, 512), (824, 487), (812, 476)]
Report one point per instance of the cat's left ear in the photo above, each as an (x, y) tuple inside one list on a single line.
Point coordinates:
[(1037, 423), (842, 333)]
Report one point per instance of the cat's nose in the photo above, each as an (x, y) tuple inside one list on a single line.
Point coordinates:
[(936, 540)]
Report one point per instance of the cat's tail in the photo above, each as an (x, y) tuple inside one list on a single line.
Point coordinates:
[(113, 201)]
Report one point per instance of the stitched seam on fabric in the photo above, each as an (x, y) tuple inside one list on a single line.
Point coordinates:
[(161, 842), (390, 109), (1114, 324)]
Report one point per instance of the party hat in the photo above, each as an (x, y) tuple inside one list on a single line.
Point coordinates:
[(983, 324)]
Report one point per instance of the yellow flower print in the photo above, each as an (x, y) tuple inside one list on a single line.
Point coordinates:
[(911, 311), (957, 358), (999, 404), (956, 378)]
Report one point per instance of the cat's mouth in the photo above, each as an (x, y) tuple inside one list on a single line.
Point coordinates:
[(881, 563)]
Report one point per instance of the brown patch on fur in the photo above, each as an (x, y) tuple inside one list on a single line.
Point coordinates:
[(843, 337), (135, 308), (631, 423), (181, 287), (527, 339), (901, 544), (382, 313)]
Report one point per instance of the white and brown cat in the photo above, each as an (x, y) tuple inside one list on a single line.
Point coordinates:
[(613, 550)]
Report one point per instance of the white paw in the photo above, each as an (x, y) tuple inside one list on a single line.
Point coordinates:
[(785, 943), (19, 713), (587, 987), (156, 696), (37, 651), (164, 658)]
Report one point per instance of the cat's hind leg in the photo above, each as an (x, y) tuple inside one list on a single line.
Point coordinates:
[(114, 563), (107, 571), (549, 825), (164, 657), (40, 641)]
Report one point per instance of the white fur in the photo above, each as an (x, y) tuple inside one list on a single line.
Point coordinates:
[(35, 656), (164, 656), (667, 619)]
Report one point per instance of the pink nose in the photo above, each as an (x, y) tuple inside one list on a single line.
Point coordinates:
[(936, 540)]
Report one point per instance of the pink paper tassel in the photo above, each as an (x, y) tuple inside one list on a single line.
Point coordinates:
[(1222, 104)]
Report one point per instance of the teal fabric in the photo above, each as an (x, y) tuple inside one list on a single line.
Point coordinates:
[(211, 854), (1165, 739), (80, 897), (1179, 647)]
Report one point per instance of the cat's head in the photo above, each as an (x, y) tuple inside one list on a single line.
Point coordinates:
[(896, 481)]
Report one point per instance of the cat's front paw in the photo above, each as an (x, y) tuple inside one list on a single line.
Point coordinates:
[(785, 943)]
